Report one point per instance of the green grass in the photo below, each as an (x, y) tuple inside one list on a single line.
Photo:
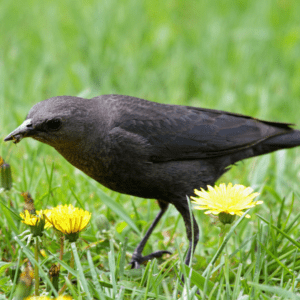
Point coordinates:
[(240, 56)]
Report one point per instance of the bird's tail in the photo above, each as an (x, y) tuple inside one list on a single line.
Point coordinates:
[(289, 139)]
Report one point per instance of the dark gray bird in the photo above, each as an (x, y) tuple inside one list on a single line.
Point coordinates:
[(151, 150)]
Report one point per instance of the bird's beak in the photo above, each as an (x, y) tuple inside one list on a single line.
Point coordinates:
[(22, 131)]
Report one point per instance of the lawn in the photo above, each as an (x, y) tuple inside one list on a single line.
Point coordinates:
[(239, 56)]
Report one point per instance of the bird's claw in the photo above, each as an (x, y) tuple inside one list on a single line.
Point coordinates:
[(137, 259)]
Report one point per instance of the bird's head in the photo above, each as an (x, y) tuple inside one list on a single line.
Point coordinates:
[(57, 121)]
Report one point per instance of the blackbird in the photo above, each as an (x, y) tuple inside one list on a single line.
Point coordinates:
[(151, 150)]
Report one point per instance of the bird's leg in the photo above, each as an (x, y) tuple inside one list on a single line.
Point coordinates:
[(137, 258), (191, 231)]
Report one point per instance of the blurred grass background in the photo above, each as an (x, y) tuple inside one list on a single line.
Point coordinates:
[(240, 56)]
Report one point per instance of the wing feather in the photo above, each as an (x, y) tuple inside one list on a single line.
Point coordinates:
[(173, 132)]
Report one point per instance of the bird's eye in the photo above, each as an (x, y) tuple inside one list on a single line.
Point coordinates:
[(53, 124)]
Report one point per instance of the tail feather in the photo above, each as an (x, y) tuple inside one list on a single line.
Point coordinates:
[(287, 140)]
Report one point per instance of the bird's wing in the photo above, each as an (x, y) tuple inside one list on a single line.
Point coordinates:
[(181, 133)]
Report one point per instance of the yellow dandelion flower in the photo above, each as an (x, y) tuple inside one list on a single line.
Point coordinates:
[(69, 220), (33, 219), (230, 200), (29, 219), (64, 298), (37, 222)]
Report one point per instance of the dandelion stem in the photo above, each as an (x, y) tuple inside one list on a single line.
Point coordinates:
[(224, 231), (61, 250), (36, 268), (72, 263), (69, 275)]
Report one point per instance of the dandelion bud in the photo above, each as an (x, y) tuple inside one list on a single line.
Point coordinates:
[(25, 283), (54, 275), (102, 223), (5, 175)]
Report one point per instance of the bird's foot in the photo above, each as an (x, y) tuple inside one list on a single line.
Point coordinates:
[(137, 258)]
